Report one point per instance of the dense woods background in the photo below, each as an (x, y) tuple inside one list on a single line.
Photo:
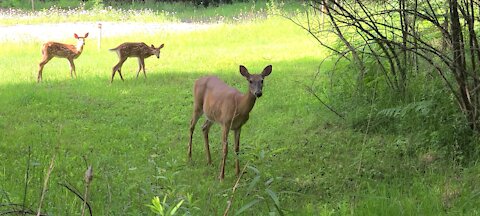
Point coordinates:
[(416, 65)]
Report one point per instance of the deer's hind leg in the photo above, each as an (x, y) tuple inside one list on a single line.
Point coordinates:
[(118, 67), (44, 61), (197, 113), (206, 128)]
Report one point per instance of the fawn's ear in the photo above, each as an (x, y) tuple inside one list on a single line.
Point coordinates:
[(161, 46), (267, 71), (86, 35), (244, 71), (152, 46), (75, 35)]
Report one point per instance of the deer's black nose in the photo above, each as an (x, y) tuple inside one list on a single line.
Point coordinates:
[(258, 94)]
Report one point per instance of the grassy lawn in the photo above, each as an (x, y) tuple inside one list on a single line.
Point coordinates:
[(135, 133), (302, 159)]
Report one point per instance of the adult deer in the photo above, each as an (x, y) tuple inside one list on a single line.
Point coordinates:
[(227, 106), (139, 50), (68, 51)]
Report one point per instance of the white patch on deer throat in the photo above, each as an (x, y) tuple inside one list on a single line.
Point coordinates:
[(79, 44)]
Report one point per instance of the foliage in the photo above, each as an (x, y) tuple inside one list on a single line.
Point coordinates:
[(162, 208), (405, 69), (261, 193)]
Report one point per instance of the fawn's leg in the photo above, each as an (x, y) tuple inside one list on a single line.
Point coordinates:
[(118, 67), (120, 73), (139, 66), (72, 68), (44, 61), (143, 66)]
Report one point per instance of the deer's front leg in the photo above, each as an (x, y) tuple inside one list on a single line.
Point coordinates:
[(72, 68), (237, 149), (139, 65), (225, 130), (143, 67)]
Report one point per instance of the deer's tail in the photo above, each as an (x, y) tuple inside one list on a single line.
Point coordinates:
[(44, 46), (115, 50)]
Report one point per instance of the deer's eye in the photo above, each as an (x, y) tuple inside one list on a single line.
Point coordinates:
[(250, 81)]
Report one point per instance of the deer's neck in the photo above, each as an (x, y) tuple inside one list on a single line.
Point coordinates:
[(246, 103), (150, 52), (79, 47)]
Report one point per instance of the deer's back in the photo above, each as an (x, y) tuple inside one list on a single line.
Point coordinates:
[(132, 49), (218, 100), (60, 50)]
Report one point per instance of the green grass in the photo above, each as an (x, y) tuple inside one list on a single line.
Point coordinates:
[(135, 134)]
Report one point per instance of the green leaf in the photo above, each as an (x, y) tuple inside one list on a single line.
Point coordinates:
[(247, 206), (273, 195), (174, 210), (254, 170), (275, 199), (269, 181), (253, 183), (156, 206)]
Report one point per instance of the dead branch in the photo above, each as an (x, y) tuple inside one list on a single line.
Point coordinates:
[(75, 191), (230, 202)]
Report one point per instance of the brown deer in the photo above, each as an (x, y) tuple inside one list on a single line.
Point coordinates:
[(139, 50), (226, 106), (68, 51)]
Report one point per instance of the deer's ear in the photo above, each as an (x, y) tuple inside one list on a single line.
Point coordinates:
[(75, 35), (244, 71), (86, 35), (161, 46), (152, 46), (267, 71)]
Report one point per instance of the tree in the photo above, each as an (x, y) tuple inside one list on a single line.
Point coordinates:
[(401, 35)]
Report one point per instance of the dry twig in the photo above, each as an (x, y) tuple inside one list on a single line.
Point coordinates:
[(230, 202)]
